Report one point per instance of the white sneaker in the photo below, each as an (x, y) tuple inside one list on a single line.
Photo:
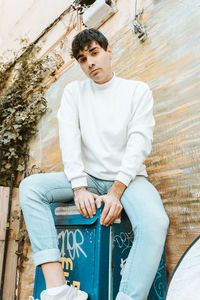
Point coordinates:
[(69, 293)]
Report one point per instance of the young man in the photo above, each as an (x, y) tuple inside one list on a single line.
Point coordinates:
[(106, 130)]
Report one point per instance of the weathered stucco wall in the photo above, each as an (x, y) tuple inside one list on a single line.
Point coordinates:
[(26, 19), (169, 62)]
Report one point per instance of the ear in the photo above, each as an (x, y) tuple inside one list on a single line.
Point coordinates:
[(109, 50)]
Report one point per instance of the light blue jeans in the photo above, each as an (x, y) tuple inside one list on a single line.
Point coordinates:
[(141, 203)]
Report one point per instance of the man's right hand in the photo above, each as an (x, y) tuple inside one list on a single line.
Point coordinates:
[(85, 202)]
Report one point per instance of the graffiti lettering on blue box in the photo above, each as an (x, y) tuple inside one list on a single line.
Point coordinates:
[(158, 284), (73, 239), (122, 265), (77, 250), (124, 240), (67, 264)]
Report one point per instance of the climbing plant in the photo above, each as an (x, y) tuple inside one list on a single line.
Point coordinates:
[(22, 103)]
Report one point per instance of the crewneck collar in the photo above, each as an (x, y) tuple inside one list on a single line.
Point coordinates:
[(105, 85)]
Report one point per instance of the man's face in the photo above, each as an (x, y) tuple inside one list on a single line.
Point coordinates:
[(96, 62)]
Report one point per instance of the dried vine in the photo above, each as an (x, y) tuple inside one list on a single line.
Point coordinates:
[(22, 103)]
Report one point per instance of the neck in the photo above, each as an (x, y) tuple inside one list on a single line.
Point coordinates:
[(107, 83)]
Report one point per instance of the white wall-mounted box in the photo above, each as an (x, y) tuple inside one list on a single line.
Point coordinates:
[(98, 13)]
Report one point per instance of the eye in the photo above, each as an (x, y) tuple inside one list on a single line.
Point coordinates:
[(82, 60), (94, 52)]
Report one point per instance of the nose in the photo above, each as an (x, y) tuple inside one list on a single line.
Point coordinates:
[(90, 62)]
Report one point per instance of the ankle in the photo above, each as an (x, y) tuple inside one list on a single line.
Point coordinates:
[(53, 274)]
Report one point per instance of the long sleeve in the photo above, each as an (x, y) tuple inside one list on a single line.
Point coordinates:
[(140, 136), (70, 138)]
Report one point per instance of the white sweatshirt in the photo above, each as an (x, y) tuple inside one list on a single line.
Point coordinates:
[(105, 130)]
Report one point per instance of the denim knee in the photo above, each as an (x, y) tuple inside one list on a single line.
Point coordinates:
[(153, 226), (156, 228), (27, 186)]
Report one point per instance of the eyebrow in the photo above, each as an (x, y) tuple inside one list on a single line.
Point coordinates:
[(90, 50)]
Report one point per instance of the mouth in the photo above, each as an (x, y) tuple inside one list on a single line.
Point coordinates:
[(93, 71)]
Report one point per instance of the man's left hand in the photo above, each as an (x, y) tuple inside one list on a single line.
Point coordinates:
[(112, 208)]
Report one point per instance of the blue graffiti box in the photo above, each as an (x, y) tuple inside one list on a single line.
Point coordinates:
[(94, 256)]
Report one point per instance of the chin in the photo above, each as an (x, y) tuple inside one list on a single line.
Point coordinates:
[(97, 79)]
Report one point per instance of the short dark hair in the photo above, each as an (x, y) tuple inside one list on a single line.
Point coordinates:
[(85, 38)]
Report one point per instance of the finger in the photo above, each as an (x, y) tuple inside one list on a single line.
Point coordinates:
[(119, 211), (78, 206), (88, 208), (116, 215), (110, 216), (98, 202), (83, 209), (110, 222), (113, 220), (93, 206), (104, 213)]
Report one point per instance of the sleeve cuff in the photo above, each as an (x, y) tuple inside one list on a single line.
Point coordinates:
[(80, 181), (125, 179)]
